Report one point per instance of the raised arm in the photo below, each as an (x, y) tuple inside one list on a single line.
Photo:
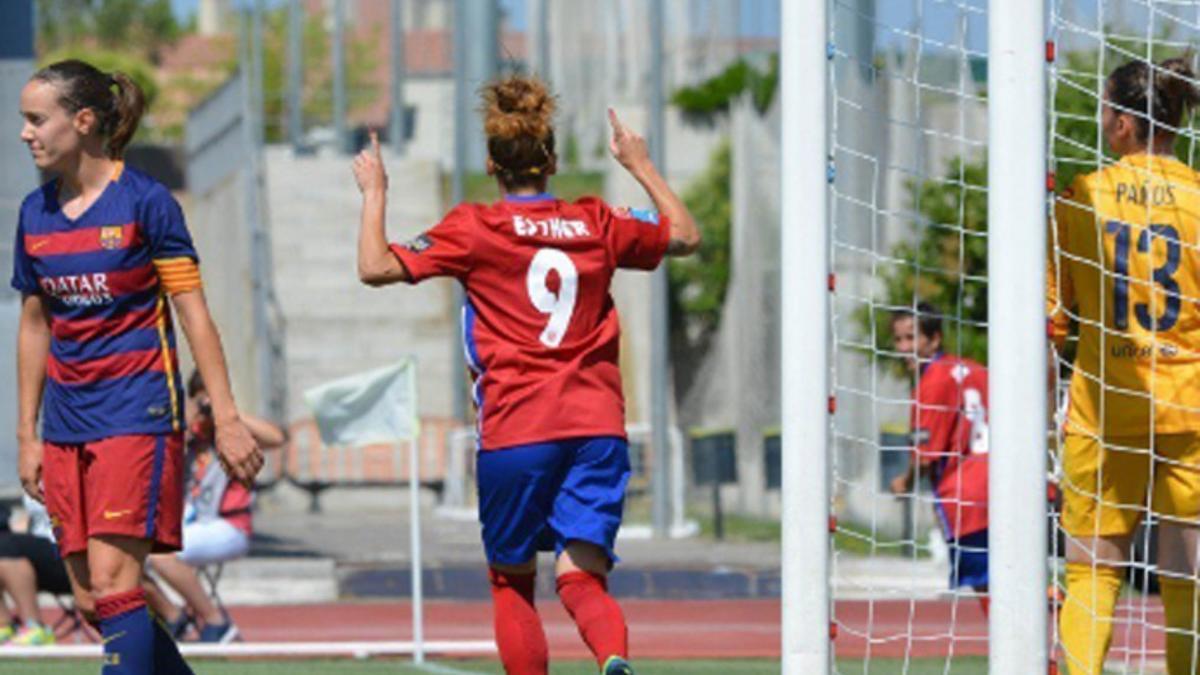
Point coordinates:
[(629, 149), (377, 265), (236, 447), (33, 347)]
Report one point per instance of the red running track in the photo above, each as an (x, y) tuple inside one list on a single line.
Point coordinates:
[(657, 629), (688, 629)]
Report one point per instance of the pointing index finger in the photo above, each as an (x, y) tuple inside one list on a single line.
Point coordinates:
[(617, 127), (375, 143)]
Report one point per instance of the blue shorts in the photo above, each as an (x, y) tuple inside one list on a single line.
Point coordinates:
[(539, 497), (969, 560)]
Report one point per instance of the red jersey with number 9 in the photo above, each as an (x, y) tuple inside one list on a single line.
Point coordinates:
[(950, 438), (540, 331)]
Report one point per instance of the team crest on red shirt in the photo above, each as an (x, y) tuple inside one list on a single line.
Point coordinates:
[(419, 243), (112, 237)]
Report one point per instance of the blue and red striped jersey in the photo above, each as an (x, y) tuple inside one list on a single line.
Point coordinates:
[(112, 368)]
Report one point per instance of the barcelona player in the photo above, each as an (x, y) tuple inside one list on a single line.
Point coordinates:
[(950, 441), (101, 254), (541, 336), (1125, 264)]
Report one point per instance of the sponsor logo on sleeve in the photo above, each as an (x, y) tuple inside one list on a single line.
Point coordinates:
[(419, 243), (921, 436), (644, 215)]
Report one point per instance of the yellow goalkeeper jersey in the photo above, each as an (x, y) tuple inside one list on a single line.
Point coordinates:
[(1123, 260)]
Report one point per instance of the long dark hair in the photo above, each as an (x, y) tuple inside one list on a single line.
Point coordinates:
[(115, 98), (1163, 93)]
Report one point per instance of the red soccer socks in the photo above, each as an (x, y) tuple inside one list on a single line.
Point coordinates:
[(599, 618), (519, 634)]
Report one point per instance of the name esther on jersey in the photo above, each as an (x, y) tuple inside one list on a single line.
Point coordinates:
[(553, 228), (79, 290)]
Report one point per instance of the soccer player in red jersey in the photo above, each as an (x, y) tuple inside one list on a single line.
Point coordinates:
[(541, 336), (950, 442), (99, 252)]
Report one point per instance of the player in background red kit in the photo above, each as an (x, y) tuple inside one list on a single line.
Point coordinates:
[(542, 336), (950, 441)]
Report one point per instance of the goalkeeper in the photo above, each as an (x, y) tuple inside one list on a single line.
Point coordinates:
[(1123, 260)]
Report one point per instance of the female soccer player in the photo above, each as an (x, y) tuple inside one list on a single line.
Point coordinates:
[(99, 251), (950, 442), (1127, 268), (541, 336)]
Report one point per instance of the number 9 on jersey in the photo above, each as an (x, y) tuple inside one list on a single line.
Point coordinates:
[(560, 306)]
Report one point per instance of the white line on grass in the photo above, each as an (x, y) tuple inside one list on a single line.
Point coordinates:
[(279, 649), (444, 670)]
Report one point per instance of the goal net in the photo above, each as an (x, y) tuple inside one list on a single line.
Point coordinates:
[(1088, 40), (908, 207)]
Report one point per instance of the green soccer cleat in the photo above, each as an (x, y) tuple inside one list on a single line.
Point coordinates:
[(6, 634), (616, 665)]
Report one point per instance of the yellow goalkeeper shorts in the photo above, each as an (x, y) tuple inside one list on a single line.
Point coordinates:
[(1105, 485)]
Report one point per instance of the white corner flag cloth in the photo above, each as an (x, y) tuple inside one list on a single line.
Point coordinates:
[(378, 406)]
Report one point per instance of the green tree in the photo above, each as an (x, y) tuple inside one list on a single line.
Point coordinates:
[(946, 263), (361, 63), (144, 26), (698, 283), (115, 21), (61, 22), (703, 103)]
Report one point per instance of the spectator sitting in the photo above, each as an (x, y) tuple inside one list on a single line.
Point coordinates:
[(29, 562), (216, 527)]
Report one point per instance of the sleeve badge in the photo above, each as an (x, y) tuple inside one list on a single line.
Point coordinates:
[(419, 243)]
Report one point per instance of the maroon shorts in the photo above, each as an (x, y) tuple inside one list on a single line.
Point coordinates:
[(123, 485)]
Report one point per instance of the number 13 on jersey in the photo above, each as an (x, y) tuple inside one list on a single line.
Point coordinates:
[(1163, 276), (559, 306)]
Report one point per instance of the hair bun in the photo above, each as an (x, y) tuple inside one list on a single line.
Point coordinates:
[(1176, 79), (516, 107)]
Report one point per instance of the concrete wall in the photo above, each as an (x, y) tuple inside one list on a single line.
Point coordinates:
[(335, 325), (217, 223)]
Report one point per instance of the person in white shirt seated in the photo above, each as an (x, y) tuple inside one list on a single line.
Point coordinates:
[(217, 524)]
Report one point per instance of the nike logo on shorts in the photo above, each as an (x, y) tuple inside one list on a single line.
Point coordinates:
[(113, 515)]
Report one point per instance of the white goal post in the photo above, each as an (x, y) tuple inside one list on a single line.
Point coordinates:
[(1018, 202), (1017, 211)]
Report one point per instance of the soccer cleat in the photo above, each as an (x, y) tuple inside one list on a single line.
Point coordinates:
[(6, 634), (219, 633), (34, 635), (616, 665)]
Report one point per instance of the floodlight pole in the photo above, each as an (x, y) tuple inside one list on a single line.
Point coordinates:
[(339, 75), (660, 355), (462, 106), (398, 113), (804, 244), (296, 74), (1017, 207), (414, 509)]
